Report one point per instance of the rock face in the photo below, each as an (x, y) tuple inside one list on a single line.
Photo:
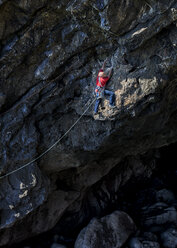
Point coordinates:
[(50, 53), (169, 238), (138, 243), (110, 231)]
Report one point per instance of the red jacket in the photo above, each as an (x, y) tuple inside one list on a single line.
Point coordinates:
[(103, 80)]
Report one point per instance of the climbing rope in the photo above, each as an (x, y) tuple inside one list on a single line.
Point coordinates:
[(50, 148)]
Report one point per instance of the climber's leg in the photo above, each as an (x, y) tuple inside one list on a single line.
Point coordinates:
[(97, 105), (111, 98)]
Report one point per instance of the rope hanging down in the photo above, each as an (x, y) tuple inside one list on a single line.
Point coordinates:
[(50, 148)]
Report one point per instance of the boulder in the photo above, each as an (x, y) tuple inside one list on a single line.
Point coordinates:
[(139, 242), (157, 215), (150, 244), (111, 231), (149, 236), (169, 238), (135, 243)]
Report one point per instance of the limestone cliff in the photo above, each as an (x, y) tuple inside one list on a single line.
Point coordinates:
[(50, 53)]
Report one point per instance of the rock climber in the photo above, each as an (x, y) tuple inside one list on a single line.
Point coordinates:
[(100, 90)]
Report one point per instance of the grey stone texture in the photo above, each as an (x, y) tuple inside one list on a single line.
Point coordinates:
[(111, 231), (50, 54)]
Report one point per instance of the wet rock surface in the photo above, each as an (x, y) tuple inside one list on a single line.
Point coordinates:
[(50, 53)]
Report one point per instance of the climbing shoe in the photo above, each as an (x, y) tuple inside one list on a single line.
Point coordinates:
[(99, 117), (112, 106)]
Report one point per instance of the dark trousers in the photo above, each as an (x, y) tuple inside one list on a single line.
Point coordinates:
[(111, 99)]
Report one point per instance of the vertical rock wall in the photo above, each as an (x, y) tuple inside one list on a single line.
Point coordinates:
[(50, 53)]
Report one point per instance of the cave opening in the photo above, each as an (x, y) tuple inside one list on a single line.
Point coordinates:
[(133, 199), (142, 193)]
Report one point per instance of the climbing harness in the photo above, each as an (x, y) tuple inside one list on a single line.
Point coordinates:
[(99, 90)]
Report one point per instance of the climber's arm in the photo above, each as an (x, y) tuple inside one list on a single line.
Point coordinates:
[(110, 72), (103, 66)]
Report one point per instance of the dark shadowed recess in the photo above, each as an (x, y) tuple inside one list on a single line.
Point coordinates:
[(131, 199)]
